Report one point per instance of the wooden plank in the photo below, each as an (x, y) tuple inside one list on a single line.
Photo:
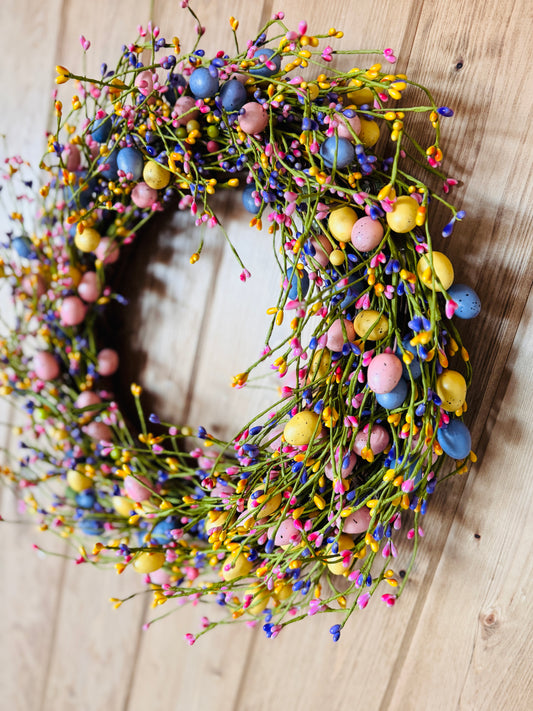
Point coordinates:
[(476, 620)]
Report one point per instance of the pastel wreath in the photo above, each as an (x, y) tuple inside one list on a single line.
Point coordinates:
[(303, 510)]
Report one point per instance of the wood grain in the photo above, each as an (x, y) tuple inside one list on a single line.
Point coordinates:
[(459, 637)]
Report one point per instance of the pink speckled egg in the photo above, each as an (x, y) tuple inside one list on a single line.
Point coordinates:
[(221, 489), (356, 522), (135, 490), (72, 157), (384, 373), (342, 129), (344, 470), (275, 435), (182, 109), (160, 577), (379, 439), (336, 337), (107, 362), (287, 533), (72, 311), (144, 82), (86, 399), (34, 284), (143, 195), (366, 234), (253, 118), (323, 248), (107, 251), (99, 431), (45, 365), (89, 288)]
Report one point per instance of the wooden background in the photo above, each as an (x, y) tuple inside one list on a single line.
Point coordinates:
[(460, 638)]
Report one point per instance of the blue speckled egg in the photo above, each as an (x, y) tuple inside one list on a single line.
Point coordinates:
[(455, 439), (161, 531), (396, 397), (414, 366), (23, 247), (130, 160), (110, 173), (294, 279), (261, 69), (101, 129), (86, 499), (342, 148), (233, 95), (248, 200), (91, 526), (202, 83), (468, 302)]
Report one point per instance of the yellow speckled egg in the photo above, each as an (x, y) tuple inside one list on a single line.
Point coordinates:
[(88, 240), (403, 216), (235, 566), (320, 365), (369, 133), (299, 429), (261, 597), (148, 561), (442, 267), (75, 274), (155, 176), (345, 543), (370, 319), (341, 222), (216, 522), (451, 388), (78, 481), (282, 591), (263, 504), (122, 505), (360, 96)]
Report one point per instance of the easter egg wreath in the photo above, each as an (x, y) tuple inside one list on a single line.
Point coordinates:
[(302, 512)]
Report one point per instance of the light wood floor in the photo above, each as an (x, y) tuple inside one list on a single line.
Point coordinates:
[(460, 638)]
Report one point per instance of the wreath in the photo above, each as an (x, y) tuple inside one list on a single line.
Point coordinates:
[(303, 510)]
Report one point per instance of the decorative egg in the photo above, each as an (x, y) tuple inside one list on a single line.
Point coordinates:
[(356, 522), (336, 566), (101, 129), (72, 157), (369, 133), (23, 247), (253, 118), (236, 565), (144, 82), (402, 218), (203, 84), (384, 373), (109, 161), (348, 126), (337, 257), (219, 519), (379, 439), (320, 365), (451, 388), (89, 287), (131, 162), (143, 195), (455, 439), (371, 325), (148, 561), (366, 234), (155, 175), (45, 365), (468, 302), (90, 526), (414, 367), (264, 503), (88, 240), (395, 398), (299, 429), (185, 110), (442, 268), (264, 54), (89, 399), (341, 222), (338, 152), (286, 534), (346, 467), (107, 362), (340, 332), (298, 282), (135, 489), (77, 481), (160, 577), (86, 499), (323, 249), (260, 599), (161, 532), (122, 505), (99, 431), (233, 95), (107, 251), (360, 96), (72, 311), (34, 285), (248, 199)]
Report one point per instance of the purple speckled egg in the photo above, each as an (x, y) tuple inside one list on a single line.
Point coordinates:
[(356, 522), (366, 234), (99, 431), (143, 195), (346, 468), (185, 110), (384, 373), (287, 533), (379, 439), (253, 118), (323, 249), (342, 129)]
